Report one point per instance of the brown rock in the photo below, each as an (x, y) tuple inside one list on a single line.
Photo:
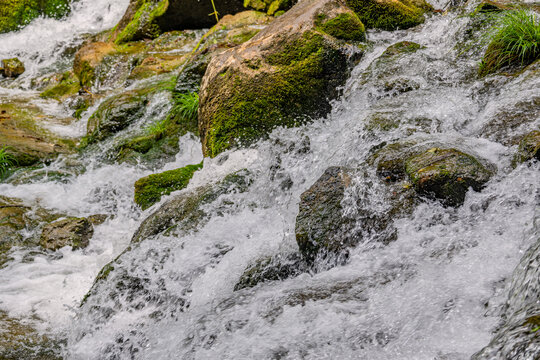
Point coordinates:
[(74, 232)]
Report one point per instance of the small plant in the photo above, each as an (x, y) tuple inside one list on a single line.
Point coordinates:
[(186, 106), (6, 160), (157, 128), (514, 41)]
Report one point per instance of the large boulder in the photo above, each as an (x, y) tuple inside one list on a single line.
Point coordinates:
[(15, 14), (74, 232), (148, 18), (150, 189), (325, 226), (283, 76)]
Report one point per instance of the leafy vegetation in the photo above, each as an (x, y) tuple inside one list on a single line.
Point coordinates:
[(157, 128), (6, 160), (515, 41), (186, 106)]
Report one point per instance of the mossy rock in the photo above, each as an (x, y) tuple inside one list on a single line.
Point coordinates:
[(529, 147), (185, 212), (74, 232), (272, 268), (22, 131), (345, 26), (446, 174), (68, 85), (284, 76), (390, 14), (150, 189), (14, 14), (12, 68), (115, 114)]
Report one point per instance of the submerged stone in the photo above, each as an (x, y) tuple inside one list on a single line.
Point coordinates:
[(74, 232), (150, 189), (283, 76), (272, 268), (446, 174)]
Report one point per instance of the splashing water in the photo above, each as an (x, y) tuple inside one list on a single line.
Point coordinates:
[(437, 292)]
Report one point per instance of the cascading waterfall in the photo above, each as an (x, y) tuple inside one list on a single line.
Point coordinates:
[(441, 290)]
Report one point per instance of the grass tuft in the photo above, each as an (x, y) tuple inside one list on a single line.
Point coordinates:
[(515, 41), (186, 106), (6, 160)]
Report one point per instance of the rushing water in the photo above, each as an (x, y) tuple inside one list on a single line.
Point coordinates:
[(437, 292)]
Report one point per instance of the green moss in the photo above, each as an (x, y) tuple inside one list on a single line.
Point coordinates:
[(15, 14), (69, 85), (296, 89), (150, 189), (529, 147), (388, 15), (346, 26), (142, 25)]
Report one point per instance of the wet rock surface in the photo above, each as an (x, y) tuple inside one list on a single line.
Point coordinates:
[(74, 232), (289, 62)]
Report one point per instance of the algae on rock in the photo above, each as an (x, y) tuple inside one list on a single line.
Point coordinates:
[(283, 76), (150, 189)]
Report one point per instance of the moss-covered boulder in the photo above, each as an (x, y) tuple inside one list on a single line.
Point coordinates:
[(12, 68), (19, 340), (146, 19), (185, 211), (22, 131), (529, 147), (283, 76), (446, 174), (325, 230), (74, 232), (15, 14), (150, 189), (434, 172), (390, 14), (272, 268), (115, 114)]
